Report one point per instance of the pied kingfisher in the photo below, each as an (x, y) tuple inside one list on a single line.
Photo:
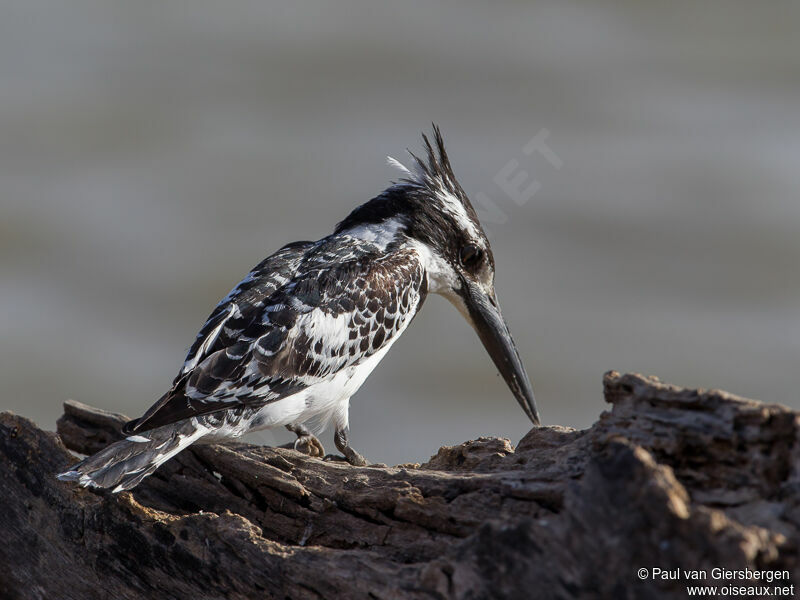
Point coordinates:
[(296, 338)]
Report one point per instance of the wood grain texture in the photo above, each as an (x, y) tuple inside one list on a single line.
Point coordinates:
[(669, 477)]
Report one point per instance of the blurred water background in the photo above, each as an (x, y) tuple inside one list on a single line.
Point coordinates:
[(152, 152)]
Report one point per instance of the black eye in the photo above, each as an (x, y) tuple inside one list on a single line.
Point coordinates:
[(470, 255)]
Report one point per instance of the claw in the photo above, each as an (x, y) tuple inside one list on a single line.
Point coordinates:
[(308, 444)]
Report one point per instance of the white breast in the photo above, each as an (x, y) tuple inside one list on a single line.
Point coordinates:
[(327, 400)]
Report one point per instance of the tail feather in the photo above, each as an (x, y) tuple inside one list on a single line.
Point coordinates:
[(124, 464)]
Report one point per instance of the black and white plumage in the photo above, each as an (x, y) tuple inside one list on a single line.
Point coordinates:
[(296, 338)]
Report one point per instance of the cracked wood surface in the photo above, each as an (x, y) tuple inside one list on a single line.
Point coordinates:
[(669, 477)]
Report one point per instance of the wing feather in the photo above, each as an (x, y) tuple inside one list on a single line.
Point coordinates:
[(298, 318)]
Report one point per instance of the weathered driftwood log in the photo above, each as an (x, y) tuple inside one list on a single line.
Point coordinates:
[(669, 478)]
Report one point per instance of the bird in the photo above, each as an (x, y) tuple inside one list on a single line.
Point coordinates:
[(298, 336)]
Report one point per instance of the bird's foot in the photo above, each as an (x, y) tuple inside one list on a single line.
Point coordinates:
[(354, 458), (350, 456), (309, 444)]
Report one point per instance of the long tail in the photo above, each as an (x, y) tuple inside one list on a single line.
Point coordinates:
[(124, 464)]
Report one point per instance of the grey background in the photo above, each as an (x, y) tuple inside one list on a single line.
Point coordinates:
[(152, 152)]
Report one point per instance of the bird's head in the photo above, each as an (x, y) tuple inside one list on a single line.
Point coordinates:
[(427, 209)]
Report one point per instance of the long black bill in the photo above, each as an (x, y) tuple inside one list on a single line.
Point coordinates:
[(493, 332)]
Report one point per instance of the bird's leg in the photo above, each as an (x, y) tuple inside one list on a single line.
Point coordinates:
[(306, 442), (353, 457)]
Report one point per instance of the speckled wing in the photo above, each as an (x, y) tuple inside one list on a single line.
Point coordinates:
[(299, 318), (244, 304)]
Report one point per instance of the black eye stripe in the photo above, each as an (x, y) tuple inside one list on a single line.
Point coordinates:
[(470, 255)]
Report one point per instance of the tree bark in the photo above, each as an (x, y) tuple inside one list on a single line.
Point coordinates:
[(669, 478)]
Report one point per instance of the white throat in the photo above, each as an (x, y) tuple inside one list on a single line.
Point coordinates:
[(442, 278)]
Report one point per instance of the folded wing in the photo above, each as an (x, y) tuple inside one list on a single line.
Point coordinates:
[(294, 321)]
